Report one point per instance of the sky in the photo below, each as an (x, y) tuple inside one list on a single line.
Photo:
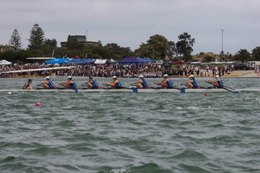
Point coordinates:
[(131, 22)]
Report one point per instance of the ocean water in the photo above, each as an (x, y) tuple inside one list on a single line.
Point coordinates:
[(130, 132)]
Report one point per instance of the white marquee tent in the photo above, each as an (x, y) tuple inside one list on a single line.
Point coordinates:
[(100, 61), (4, 62)]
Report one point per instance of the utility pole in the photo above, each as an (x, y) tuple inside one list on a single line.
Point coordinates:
[(222, 50), (53, 51), (86, 34)]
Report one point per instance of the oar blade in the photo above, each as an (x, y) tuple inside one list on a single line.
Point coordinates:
[(231, 90)]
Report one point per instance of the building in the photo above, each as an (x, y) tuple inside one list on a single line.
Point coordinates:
[(79, 41)]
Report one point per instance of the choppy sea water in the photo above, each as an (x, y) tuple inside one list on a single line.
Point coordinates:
[(130, 132)]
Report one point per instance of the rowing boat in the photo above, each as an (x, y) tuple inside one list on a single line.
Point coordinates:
[(150, 90)]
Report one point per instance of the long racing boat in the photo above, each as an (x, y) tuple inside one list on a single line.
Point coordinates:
[(135, 90)]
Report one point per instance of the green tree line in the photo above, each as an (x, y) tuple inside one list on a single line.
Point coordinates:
[(156, 47)]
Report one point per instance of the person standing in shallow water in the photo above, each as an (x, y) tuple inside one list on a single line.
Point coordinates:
[(28, 85)]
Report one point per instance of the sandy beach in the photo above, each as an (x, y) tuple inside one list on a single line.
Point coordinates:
[(243, 74)]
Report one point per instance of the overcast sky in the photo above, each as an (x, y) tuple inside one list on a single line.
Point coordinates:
[(131, 22)]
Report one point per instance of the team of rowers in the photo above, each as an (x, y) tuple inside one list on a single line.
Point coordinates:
[(141, 83)]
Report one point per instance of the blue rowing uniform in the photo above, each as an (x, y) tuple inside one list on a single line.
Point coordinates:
[(220, 84), (51, 84), (118, 85), (94, 84), (73, 85), (144, 83), (169, 84), (195, 83)]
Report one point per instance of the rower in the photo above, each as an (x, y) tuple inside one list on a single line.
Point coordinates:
[(47, 84), (115, 84), (166, 82), (192, 82), (141, 82), (217, 82), (91, 83), (70, 84), (28, 85)]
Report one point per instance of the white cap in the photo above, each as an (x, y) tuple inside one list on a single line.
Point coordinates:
[(190, 76), (141, 76), (114, 77), (47, 77), (69, 77), (166, 75), (217, 76)]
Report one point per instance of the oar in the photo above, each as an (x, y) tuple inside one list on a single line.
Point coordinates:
[(211, 87), (76, 89), (83, 85), (107, 84), (39, 86), (183, 85), (226, 88), (231, 89), (158, 83), (156, 87)]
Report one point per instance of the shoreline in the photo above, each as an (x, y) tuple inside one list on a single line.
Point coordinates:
[(234, 74)]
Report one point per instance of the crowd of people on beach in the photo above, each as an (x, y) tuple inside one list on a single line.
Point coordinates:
[(151, 70), (257, 70)]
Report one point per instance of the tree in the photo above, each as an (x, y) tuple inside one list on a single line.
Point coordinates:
[(15, 41), (227, 57), (208, 58), (256, 54), (172, 50), (99, 52), (50, 43), (117, 52), (36, 40), (157, 47), (242, 55), (49, 46), (184, 46), (144, 50)]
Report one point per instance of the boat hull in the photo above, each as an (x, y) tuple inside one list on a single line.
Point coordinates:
[(214, 90)]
